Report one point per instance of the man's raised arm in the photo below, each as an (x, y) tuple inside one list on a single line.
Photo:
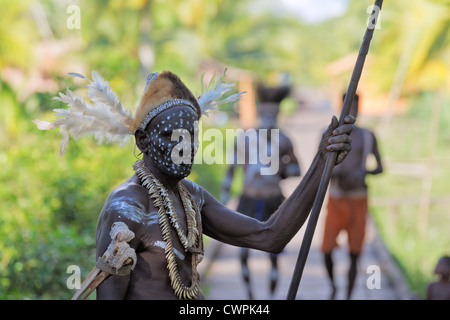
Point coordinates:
[(273, 235)]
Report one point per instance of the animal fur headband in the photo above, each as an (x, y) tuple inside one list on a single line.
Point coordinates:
[(107, 120)]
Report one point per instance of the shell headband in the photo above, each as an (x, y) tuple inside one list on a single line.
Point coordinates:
[(108, 121)]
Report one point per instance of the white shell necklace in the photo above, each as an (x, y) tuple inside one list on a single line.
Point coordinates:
[(192, 242)]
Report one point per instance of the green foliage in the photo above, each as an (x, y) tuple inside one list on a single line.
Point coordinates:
[(16, 34), (400, 221), (412, 45), (49, 208)]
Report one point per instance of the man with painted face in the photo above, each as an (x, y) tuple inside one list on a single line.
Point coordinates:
[(167, 212)]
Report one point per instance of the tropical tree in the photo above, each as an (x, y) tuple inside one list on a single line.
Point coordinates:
[(413, 47)]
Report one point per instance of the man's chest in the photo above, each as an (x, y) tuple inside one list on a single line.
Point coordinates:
[(165, 228), (154, 243)]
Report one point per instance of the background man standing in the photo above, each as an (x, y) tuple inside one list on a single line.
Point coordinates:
[(261, 194), (347, 200)]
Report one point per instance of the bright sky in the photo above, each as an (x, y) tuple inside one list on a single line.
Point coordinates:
[(316, 10), (310, 11)]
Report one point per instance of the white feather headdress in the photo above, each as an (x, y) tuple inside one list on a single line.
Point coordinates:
[(108, 121)]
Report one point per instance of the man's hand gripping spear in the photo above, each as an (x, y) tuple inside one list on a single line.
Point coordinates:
[(118, 259), (331, 159)]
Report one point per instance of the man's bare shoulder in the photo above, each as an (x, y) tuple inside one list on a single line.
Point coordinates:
[(192, 187), (199, 194), (127, 203), (126, 200), (362, 131), (131, 188)]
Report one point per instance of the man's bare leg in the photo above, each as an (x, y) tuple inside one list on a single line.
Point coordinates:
[(273, 274), (352, 273), (246, 272), (329, 266)]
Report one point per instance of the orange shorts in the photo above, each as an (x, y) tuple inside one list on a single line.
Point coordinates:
[(347, 214)]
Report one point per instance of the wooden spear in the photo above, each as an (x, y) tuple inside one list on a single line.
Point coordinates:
[(331, 158)]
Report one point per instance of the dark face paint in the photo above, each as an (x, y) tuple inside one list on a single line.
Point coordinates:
[(173, 141)]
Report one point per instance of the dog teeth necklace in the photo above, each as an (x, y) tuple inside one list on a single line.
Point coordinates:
[(192, 242)]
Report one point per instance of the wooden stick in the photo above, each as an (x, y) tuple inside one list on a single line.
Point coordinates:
[(86, 283), (331, 158), (89, 279)]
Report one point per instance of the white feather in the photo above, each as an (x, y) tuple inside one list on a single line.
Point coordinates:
[(43, 125), (209, 99), (100, 91), (105, 119)]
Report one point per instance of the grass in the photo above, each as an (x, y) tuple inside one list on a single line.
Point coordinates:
[(415, 236)]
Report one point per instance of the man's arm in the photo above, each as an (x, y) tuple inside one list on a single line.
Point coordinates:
[(226, 185), (229, 226), (234, 228), (289, 161), (114, 287), (120, 208), (376, 153), (228, 180)]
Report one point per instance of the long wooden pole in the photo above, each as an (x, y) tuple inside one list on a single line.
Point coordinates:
[(331, 158)]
